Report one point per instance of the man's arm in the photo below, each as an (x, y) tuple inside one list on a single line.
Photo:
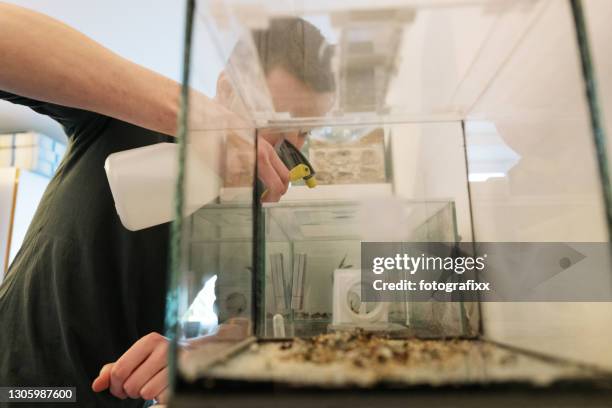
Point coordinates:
[(46, 60)]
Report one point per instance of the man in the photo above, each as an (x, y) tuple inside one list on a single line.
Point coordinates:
[(83, 291)]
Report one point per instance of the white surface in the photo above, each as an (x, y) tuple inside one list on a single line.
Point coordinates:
[(301, 193)]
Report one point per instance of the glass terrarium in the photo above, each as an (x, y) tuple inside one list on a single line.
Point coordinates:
[(445, 121)]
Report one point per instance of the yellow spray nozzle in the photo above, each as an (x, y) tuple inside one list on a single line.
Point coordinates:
[(299, 172), (311, 182), (302, 171)]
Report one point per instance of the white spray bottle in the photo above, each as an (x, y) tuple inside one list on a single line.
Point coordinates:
[(143, 184)]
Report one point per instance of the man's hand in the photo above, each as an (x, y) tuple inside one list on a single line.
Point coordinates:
[(239, 162), (271, 171), (141, 372)]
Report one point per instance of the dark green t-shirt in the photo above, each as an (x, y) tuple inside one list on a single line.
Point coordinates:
[(82, 288)]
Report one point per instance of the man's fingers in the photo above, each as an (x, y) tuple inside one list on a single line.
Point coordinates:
[(138, 366), (273, 183), (116, 388), (281, 169), (102, 382), (146, 371), (271, 171), (155, 386), (130, 360)]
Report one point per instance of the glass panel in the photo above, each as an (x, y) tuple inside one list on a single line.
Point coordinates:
[(309, 244), (596, 13), (369, 106), (214, 302)]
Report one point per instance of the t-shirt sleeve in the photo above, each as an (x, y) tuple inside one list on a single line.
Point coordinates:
[(71, 119)]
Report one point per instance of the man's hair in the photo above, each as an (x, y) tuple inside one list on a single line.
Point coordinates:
[(297, 46)]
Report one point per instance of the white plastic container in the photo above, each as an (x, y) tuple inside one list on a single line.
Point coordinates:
[(143, 184), (345, 282)]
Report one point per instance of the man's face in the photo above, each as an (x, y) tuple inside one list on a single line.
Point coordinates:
[(289, 94)]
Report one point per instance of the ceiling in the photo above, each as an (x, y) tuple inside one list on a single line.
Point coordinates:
[(148, 32)]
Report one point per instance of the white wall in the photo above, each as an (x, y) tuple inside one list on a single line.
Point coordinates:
[(552, 193), (429, 164)]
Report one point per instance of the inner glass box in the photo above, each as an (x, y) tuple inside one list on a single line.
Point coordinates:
[(400, 121), (304, 246)]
